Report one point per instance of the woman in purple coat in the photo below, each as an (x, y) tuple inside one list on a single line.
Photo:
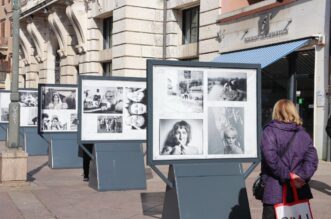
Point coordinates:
[(300, 160)]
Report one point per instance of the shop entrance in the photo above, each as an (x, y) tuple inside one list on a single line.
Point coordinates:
[(291, 77)]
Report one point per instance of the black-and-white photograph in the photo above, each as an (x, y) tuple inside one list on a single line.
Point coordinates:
[(57, 98), (135, 108), (183, 91), (110, 124), (4, 115), (181, 137), (103, 100), (4, 107), (28, 98), (226, 130), (29, 107), (113, 109), (227, 86), (73, 121), (51, 121), (58, 108), (29, 116)]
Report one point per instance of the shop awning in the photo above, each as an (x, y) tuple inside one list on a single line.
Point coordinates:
[(264, 55)]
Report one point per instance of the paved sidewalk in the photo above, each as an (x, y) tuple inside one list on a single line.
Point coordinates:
[(61, 193)]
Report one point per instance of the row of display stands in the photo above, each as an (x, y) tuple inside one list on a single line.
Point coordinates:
[(121, 167), (200, 188), (62, 149)]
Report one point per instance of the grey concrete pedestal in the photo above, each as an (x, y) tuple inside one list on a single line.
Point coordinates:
[(210, 191), (13, 165)]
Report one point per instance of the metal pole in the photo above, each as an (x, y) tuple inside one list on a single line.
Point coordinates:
[(14, 106)]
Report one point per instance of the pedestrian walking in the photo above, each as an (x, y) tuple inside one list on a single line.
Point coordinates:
[(287, 153), (86, 160)]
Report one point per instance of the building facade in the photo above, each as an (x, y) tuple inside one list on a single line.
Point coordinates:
[(66, 38), (300, 73), (62, 39), (5, 42)]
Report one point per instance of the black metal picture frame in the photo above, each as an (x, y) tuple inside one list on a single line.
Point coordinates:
[(190, 94), (67, 108), (107, 115)]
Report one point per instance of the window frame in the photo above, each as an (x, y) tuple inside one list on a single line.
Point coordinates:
[(107, 32), (188, 25)]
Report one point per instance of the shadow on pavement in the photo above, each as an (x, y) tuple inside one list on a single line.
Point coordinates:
[(149, 173), (34, 171), (152, 203), (241, 210), (320, 186)]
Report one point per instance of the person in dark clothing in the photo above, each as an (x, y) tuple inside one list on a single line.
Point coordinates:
[(299, 162), (86, 160), (328, 127)]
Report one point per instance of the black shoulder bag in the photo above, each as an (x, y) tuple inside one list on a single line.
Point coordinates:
[(258, 185)]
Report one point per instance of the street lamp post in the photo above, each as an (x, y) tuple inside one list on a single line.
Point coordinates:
[(14, 106)]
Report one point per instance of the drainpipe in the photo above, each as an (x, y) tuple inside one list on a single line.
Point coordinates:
[(164, 46)]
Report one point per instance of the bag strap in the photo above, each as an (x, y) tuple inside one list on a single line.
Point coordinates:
[(289, 144), (284, 193), (295, 193)]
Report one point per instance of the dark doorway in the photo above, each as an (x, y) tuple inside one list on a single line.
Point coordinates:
[(291, 74)]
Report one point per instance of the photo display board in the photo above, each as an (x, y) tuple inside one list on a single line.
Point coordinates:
[(202, 111), (57, 108), (112, 109), (28, 107), (4, 106)]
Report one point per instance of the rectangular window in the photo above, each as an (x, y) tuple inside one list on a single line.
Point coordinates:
[(2, 2), (107, 68), (107, 33), (191, 25)]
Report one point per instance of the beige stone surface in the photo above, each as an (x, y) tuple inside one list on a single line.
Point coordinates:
[(13, 165), (208, 57), (209, 17), (182, 3)]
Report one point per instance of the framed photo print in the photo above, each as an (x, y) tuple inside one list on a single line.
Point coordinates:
[(57, 111), (4, 106), (29, 107), (202, 112), (112, 109)]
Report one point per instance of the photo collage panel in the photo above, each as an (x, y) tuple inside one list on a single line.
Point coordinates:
[(28, 100), (113, 110), (58, 109), (4, 107), (203, 113)]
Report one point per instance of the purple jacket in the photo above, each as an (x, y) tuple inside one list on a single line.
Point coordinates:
[(300, 159)]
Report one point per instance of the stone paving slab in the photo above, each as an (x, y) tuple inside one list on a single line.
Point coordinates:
[(8, 208), (62, 194), (30, 206)]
